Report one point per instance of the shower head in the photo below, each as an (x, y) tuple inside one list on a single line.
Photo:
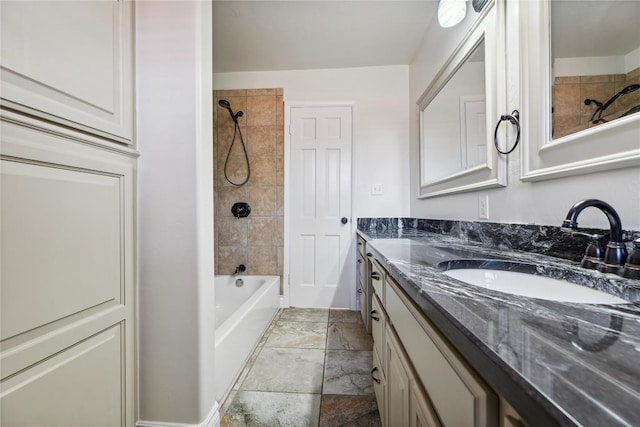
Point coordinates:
[(225, 104)]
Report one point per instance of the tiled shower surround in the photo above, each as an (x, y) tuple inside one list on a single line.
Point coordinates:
[(256, 241), (571, 115)]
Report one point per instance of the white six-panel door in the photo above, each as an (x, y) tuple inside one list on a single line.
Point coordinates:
[(320, 206)]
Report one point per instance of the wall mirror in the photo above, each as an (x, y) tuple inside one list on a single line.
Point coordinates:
[(581, 84), (457, 114)]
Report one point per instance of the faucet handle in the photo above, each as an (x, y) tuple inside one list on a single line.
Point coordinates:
[(631, 269), (594, 255)]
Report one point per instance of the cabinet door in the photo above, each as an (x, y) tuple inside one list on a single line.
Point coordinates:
[(378, 323), (379, 387), (67, 312), (70, 62), (397, 385), (421, 413)]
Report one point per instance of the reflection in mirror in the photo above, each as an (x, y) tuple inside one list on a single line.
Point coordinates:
[(595, 53), (454, 123)]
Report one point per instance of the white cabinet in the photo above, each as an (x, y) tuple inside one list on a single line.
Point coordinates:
[(71, 63), (68, 209), (419, 378)]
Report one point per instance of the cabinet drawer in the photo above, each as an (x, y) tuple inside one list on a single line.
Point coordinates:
[(378, 327), (377, 279), (458, 394)]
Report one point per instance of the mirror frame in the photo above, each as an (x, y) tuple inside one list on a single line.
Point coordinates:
[(545, 158), (493, 173)]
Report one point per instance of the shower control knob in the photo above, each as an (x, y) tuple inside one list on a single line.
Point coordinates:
[(344, 220)]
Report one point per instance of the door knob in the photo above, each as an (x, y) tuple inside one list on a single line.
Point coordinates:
[(344, 220)]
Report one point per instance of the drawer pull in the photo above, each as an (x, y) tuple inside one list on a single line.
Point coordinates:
[(375, 276), (372, 377), (377, 319), (359, 243), (359, 290), (359, 261), (369, 254)]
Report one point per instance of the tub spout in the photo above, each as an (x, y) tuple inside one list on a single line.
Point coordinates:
[(240, 269)]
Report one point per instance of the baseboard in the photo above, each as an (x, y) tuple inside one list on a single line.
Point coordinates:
[(212, 420)]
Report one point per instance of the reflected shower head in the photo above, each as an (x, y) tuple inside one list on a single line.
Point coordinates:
[(224, 104), (629, 89)]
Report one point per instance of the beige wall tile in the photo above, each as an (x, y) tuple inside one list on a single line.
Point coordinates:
[(264, 200), (279, 91), (232, 231), (263, 231), (229, 257), (260, 92), (279, 111), (261, 110), (261, 140), (236, 170), (225, 197), (262, 260), (263, 171), (633, 74), (566, 80), (606, 78), (232, 92)]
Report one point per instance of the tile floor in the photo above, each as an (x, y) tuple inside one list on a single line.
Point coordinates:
[(311, 368)]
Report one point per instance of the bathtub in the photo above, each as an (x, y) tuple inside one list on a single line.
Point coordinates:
[(242, 315)]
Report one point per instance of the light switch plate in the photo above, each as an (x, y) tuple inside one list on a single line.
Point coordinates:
[(376, 190)]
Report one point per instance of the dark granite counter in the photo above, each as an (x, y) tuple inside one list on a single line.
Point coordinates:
[(555, 363)]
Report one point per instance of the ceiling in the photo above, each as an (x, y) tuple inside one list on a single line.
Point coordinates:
[(271, 35)]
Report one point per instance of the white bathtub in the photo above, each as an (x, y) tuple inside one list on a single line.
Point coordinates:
[(242, 315)]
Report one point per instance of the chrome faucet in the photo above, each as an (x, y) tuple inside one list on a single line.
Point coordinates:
[(616, 253), (240, 269)]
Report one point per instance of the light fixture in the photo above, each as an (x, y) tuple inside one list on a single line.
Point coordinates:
[(451, 12)]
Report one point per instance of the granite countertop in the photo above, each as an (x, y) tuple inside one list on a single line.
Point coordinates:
[(555, 363)]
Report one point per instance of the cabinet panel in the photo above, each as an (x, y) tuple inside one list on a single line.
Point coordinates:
[(458, 395), (70, 62), (82, 386), (397, 385), (421, 413), (61, 243)]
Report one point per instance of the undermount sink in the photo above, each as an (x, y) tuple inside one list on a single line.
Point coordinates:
[(520, 279)]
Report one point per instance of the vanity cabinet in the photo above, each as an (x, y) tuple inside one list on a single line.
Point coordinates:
[(423, 381)]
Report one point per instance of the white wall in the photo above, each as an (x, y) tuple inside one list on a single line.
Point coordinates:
[(381, 124), (175, 205), (545, 202)]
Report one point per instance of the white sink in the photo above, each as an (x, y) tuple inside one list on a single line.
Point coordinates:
[(529, 285)]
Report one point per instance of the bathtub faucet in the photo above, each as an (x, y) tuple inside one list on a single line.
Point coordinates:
[(240, 269)]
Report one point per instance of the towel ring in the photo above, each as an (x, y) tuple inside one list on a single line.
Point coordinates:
[(514, 118)]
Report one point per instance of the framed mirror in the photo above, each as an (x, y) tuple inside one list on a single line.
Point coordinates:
[(581, 86), (458, 112)]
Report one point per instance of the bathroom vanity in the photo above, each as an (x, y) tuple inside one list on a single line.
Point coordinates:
[(448, 353)]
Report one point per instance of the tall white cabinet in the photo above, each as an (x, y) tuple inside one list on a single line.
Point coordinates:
[(68, 168)]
